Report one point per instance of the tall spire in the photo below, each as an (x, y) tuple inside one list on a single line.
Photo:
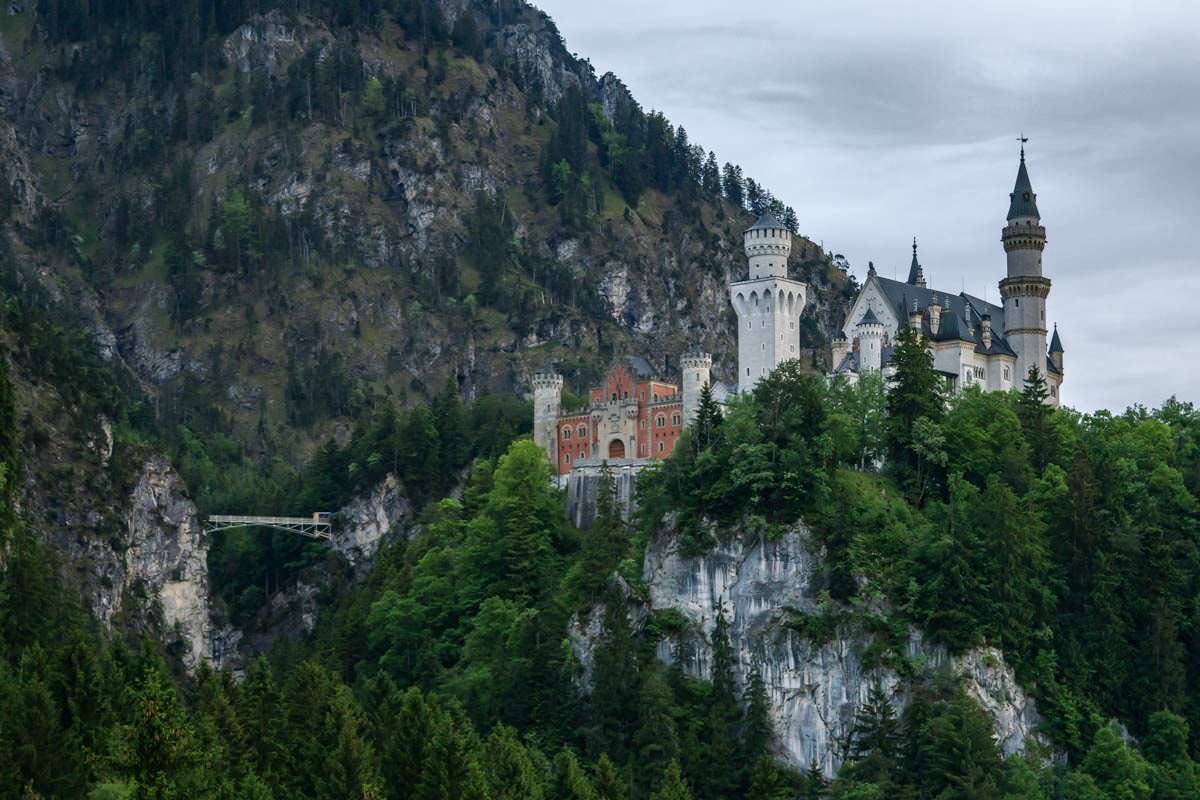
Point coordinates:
[(916, 275), (1023, 201)]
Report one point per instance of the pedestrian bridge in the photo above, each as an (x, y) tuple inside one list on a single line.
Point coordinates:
[(318, 526)]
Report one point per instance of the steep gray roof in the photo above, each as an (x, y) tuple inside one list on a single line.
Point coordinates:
[(1056, 343), (639, 366), (767, 220), (899, 294), (916, 275), (1022, 201), (869, 318)]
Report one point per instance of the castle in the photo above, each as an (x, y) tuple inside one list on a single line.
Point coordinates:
[(636, 417)]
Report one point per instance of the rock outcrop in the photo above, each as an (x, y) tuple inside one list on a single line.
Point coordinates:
[(363, 524), (165, 563), (815, 688)]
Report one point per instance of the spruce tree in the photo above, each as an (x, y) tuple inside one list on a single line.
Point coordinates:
[(708, 420), (608, 781), (1034, 414), (759, 728), (915, 406), (875, 739), (673, 787)]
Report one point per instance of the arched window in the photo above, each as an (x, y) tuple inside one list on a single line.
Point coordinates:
[(661, 447), (566, 433), (582, 432), (566, 458), (674, 419), (660, 421)]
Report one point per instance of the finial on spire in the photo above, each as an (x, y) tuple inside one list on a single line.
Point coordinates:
[(914, 245), (916, 275), (1022, 139)]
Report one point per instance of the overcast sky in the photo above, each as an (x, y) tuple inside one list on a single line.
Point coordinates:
[(880, 121)]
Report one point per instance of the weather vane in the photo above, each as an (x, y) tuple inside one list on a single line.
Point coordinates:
[(1022, 139)]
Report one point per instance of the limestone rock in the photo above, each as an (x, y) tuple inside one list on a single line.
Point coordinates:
[(364, 523), (814, 689), (167, 559)]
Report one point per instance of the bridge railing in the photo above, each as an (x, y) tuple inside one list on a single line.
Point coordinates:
[(318, 526)]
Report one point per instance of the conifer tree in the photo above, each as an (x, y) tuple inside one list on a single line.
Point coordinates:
[(731, 183), (570, 782), (814, 784), (759, 728), (705, 427), (875, 739), (673, 786), (1034, 414), (915, 406), (608, 781), (450, 422)]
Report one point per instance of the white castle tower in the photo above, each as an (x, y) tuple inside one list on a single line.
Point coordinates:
[(870, 342), (547, 400), (1025, 289), (697, 368), (768, 305)]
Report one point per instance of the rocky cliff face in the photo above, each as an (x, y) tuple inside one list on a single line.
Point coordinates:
[(815, 689), (363, 524), (167, 559)]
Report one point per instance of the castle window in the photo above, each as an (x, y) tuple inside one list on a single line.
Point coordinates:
[(661, 447), (1006, 373), (643, 424), (674, 419), (582, 432), (660, 421), (566, 433), (566, 458)]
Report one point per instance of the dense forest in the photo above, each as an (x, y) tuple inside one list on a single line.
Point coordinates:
[(1067, 540)]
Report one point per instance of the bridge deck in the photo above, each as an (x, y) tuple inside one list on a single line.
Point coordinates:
[(305, 526)]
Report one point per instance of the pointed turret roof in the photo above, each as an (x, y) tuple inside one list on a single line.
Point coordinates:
[(869, 318), (1056, 343), (916, 275), (1022, 201), (767, 220)]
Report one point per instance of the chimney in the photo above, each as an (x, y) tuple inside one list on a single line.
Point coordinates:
[(935, 315)]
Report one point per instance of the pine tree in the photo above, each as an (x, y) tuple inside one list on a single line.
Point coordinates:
[(875, 738), (759, 728), (1034, 414), (915, 406), (570, 782), (710, 176), (608, 781), (731, 183), (673, 786), (705, 427), (722, 767), (451, 424), (814, 785)]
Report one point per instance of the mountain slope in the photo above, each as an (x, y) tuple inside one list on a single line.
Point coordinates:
[(280, 220)]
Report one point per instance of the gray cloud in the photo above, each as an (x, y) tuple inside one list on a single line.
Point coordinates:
[(878, 121)]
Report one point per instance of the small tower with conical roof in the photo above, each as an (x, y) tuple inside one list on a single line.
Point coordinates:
[(1025, 289), (916, 275), (1056, 351), (768, 304), (870, 342)]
